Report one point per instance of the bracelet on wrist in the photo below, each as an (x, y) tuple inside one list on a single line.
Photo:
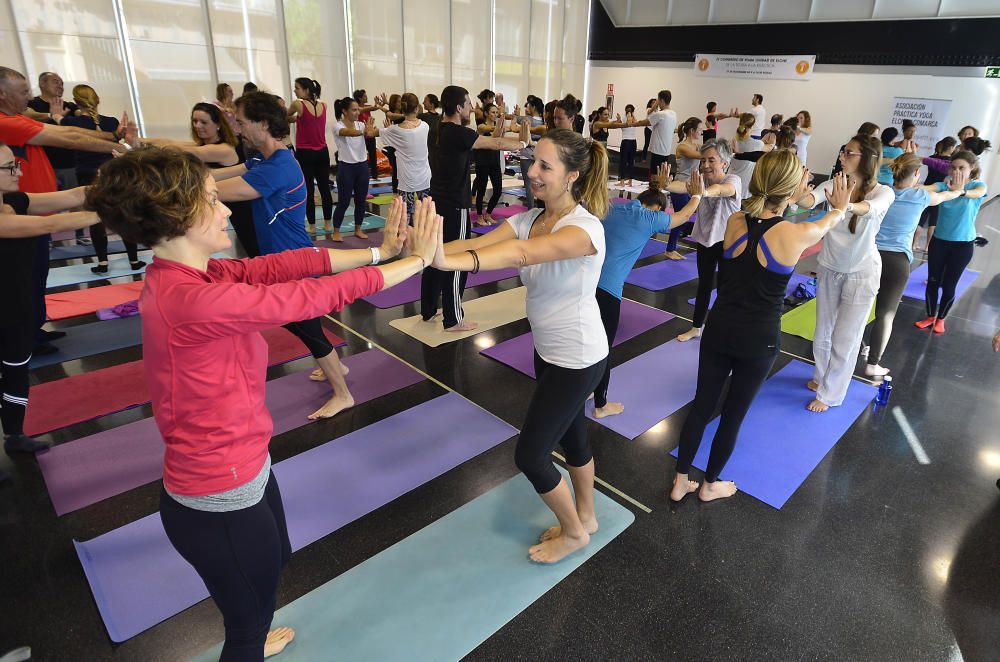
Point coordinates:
[(376, 255)]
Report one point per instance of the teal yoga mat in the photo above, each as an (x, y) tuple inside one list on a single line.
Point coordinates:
[(441, 592)]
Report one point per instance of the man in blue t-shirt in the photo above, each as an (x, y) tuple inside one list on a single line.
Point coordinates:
[(272, 179)]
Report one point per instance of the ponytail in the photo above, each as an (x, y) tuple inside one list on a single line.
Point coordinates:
[(775, 177), (311, 86), (746, 123), (593, 193), (903, 167), (86, 98), (341, 105), (689, 123), (867, 172)]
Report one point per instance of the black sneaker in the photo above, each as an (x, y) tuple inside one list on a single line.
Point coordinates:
[(20, 443)]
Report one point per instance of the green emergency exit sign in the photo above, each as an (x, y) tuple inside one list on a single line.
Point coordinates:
[(993, 72)]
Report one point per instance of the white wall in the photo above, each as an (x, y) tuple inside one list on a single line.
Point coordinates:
[(838, 98)]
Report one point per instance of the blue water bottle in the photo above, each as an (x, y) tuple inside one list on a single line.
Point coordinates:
[(884, 391)]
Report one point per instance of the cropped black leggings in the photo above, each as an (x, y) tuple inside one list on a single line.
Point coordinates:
[(16, 343), (315, 164), (709, 258), (488, 168), (239, 555), (713, 367), (310, 332), (556, 417), (611, 311), (946, 261), (895, 274), (98, 233)]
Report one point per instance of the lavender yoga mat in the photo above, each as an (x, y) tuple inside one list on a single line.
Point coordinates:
[(793, 283), (916, 286), (636, 318), (139, 580), (82, 472), (780, 442), (409, 290), (351, 241), (663, 274)]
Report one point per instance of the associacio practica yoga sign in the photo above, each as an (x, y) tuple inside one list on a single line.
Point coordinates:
[(774, 67)]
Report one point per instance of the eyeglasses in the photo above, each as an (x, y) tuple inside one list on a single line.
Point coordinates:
[(849, 153), (13, 169)]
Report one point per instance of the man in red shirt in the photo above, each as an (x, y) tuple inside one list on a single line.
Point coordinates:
[(26, 138)]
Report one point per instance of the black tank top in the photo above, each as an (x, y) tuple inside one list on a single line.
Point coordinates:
[(746, 317), (600, 135)]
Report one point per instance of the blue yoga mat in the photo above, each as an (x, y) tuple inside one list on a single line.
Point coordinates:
[(139, 580), (916, 286), (75, 251), (793, 283), (379, 190), (652, 386), (444, 590), (781, 442), (94, 338), (81, 273), (664, 274)]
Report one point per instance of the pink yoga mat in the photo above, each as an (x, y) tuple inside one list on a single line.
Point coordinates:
[(84, 302), (63, 402)]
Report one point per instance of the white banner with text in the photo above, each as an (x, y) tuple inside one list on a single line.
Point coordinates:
[(929, 115), (774, 67)]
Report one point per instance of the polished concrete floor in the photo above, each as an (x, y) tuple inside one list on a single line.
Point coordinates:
[(875, 557)]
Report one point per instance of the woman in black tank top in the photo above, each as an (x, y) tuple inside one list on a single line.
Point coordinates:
[(743, 340)]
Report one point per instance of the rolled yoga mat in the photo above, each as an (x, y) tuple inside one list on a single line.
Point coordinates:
[(780, 441), (82, 472), (663, 274), (94, 338), (518, 352), (801, 320), (139, 580), (75, 251), (432, 613), (488, 312), (916, 286), (62, 305), (81, 273), (63, 402), (409, 290), (793, 284)]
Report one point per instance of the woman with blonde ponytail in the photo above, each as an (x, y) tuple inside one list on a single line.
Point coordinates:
[(743, 143), (87, 164), (760, 250), (849, 272), (559, 251)]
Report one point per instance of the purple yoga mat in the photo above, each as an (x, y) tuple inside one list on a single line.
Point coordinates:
[(518, 352), (82, 472), (409, 290), (350, 241), (139, 580), (916, 286), (780, 442), (664, 274), (793, 283), (652, 386)]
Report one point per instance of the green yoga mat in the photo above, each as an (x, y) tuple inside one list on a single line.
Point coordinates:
[(801, 321), (383, 199)]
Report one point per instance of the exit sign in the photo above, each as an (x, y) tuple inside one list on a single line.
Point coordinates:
[(993, 72)]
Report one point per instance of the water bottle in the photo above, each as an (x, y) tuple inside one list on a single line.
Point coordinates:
[(884, 391)]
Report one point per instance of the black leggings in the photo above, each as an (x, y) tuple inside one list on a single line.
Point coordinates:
[(895, 274), (446, 288), (946, 261), (352, 184), (713, 367), (709, 258), (239, 555), (488, 167), (372, 156), (310, 332), (626, 158), (16, 343), (315, 164), (242, 221), (98, 233), (556, 417), (648, 133), (611, 311)]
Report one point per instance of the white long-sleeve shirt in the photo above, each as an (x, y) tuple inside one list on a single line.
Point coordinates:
[(846, 252)]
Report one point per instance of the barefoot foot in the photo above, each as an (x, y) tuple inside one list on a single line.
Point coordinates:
[(589, 525), (817, 406), (318, 375), (690, 334), (462, 326), (876, 371), (337, 236), (610, 409), (556, 549), (720, 489), (333, 406), (682, 487), (360, 234), (812, 385), (674, 255), (277, 639)]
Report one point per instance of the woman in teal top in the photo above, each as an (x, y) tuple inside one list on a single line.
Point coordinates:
[(951, 247), (894, 241), (889, 152)]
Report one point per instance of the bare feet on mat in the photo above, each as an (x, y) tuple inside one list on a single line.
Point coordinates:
[(359, 233), (277, 639), (682, 487), (328, 228), (610, 409), (463, 326), (589, 525), (690, 334), (558, 548), (333, 406), (817, 406), (876, 371), (812, 385), (337, 236), (720, 489), (674, 255), (318, 375)]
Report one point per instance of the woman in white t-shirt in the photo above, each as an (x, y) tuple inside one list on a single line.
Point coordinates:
[(349, 134), (850, 268), (629, 146), (803, 134), (409, 139), (559, 251)]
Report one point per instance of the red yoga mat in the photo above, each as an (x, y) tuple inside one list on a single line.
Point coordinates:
[(83, 302), (63, 402)]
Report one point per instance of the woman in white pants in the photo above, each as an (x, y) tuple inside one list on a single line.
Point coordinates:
[(849, 271)]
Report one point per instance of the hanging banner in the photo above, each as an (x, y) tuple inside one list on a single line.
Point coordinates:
[(930, 116), (774, 67)]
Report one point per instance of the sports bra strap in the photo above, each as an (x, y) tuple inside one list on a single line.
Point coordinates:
[(773, 264), (728, 253)]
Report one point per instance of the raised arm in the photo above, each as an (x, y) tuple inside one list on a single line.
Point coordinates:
[(222, 153), (222, 174), (797, 237), (13, 226), (294, 111), (497, 141), (236, 189), (73, 138), (568, 242), (57, 201)]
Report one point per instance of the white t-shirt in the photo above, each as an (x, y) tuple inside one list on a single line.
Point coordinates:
[(802, 145), (663, 124), (744, 169), (350, 149), (562, 310), (759, 121), (628, 133), (846, 252), (713, 214), (411, 156)]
